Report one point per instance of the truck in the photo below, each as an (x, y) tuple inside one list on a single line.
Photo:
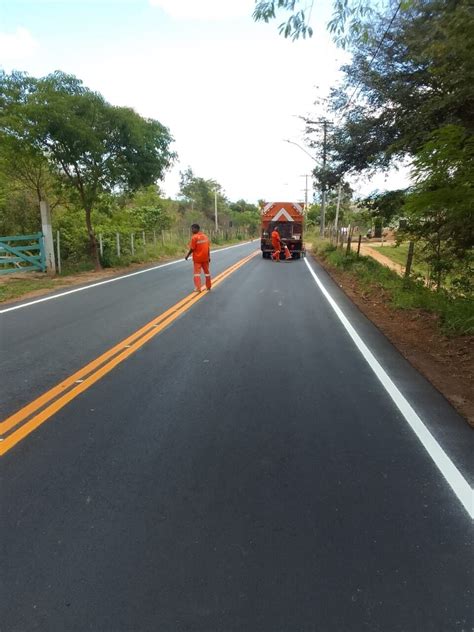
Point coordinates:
[(288, 216)]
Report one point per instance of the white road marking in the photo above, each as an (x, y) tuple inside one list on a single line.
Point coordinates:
[(124, 276), (453, 476)]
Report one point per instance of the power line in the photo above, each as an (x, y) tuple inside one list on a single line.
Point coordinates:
[(376, 52)]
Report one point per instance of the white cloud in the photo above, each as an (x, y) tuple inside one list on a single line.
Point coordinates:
[(205, 9), (16, 46)]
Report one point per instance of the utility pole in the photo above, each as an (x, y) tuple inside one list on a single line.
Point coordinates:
[(306, 194), (306, 176), (323, 197), (215, 209), (339, 191), (325, 125)]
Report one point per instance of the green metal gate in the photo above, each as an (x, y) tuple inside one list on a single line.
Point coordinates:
[(21, 253)]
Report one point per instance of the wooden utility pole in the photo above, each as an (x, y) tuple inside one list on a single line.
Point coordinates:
[(411, 247)]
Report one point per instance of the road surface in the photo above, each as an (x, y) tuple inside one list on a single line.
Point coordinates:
[(249, 461)]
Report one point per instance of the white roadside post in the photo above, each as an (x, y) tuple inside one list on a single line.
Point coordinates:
[(58, 249), (47, 230)]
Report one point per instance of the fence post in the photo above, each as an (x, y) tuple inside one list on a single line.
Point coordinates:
[(132, 243), (58, 250), (411, 248), (349, 240), (162, 237), (101, 245), (358, 245), (144, 240), (118, 244), (154, 238)]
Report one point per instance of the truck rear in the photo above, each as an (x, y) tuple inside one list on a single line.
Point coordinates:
[(288, 216)]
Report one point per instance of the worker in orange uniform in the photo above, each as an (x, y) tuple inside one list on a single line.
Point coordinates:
[(199, 247), (276, 243)]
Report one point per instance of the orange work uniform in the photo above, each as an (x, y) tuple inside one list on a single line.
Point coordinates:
[(276, 245), (200, 246)]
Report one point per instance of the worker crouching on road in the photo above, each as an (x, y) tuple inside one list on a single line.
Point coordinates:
[(276, 243), (199, 247)]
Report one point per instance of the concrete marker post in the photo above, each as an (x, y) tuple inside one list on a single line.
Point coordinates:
[(47, 230), (58, 250)]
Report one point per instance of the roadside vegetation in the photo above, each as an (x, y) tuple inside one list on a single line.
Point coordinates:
[(98, 167), (455, 313)]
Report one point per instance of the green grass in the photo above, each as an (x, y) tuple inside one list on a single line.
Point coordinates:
[(399, 254), (456, 314), (15, 288)]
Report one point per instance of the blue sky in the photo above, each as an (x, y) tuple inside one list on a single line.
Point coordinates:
[(229, 90)]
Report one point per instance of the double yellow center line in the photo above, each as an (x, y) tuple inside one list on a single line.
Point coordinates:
[(19, 425)]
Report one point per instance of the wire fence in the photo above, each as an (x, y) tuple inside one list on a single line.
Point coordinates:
[(119, 247)]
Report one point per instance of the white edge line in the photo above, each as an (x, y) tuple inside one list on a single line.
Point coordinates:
[(112, 280), (453, 476)]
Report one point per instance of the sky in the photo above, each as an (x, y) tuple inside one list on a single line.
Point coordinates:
[(230, 90)]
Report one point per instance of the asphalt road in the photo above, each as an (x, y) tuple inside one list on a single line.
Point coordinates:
[(244, 470)]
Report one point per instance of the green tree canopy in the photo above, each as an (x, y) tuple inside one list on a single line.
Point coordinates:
[(347, 22), (91, 146), (420, 78), (198, 194)]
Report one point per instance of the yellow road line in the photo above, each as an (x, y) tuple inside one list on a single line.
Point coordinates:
[(96, 369)]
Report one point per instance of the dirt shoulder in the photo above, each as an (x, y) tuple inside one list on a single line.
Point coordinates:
[(448, 363)]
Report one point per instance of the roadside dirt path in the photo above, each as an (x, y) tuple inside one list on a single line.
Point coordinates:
[(375, 253)]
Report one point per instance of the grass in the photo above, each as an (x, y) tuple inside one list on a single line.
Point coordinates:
[(15, 288), (456, 314)]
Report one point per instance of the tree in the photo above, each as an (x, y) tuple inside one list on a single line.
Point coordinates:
[(410, 77), (92, 146), (347, 21), (387, 205), (439, 208), (198, 194), (345, 204), (246, 215)]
